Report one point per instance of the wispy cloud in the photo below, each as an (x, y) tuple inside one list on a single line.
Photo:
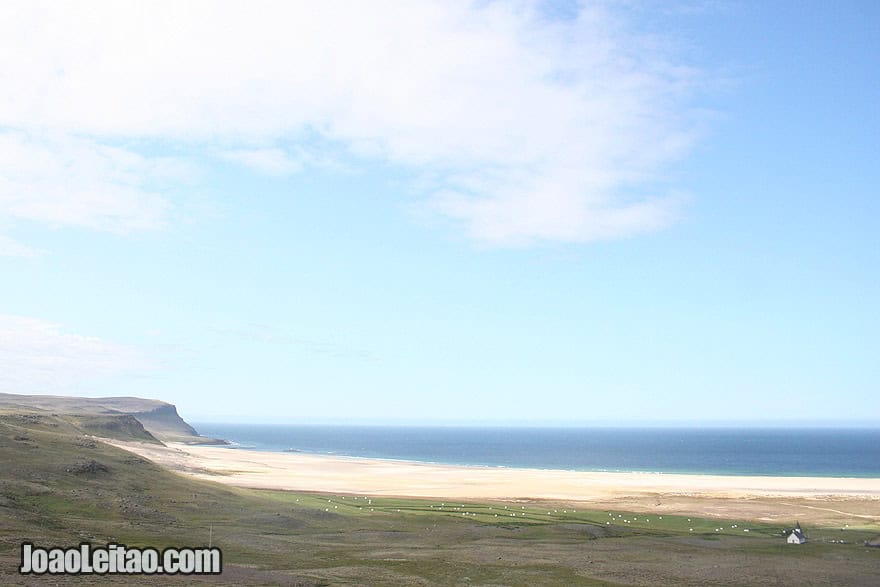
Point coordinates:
[(68, 181), (533, 128), (37, 356), (272, 161), (273, 335), (9, 247)]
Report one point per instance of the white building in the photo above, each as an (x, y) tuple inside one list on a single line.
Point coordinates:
[(797, 535)]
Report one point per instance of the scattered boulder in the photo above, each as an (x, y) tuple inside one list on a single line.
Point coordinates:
[(90, 467), (86, 443), (873, 542)]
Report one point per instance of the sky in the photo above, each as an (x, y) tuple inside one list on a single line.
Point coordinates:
[(445, 212)]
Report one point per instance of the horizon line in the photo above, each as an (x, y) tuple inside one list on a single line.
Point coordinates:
[(695, 424)]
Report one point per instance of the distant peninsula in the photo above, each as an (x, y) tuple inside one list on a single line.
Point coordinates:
[(124, 417)]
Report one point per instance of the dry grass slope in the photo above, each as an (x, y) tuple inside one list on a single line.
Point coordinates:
[(59, 486)]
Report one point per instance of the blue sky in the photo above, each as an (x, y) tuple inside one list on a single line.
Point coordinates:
[(445, 212)]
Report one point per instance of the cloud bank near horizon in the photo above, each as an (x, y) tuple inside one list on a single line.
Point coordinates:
[(531, 128), (39, 357)]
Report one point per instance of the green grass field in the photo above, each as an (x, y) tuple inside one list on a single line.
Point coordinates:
[(60, 486)]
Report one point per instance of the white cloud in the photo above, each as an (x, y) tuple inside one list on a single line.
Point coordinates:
[(9, 247), (64, 180), (536, 127), (272, 161), (39, 357)]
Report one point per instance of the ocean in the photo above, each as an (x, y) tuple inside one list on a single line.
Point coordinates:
[(818, 452)]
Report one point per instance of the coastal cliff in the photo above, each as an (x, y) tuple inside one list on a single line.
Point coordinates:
[(130, 416)]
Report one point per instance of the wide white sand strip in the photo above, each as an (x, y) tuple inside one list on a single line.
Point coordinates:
[(308, 472)]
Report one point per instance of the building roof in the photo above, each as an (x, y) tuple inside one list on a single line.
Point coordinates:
[(798, 534)]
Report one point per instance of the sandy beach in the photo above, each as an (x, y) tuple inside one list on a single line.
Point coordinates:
[(853, 501)]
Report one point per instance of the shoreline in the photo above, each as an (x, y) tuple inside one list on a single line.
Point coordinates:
[(827, 500), (249, 449)]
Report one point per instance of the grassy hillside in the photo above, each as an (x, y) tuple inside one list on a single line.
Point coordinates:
[(59, 486)]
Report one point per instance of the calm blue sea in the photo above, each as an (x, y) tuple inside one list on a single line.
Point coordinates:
[(719, 451)]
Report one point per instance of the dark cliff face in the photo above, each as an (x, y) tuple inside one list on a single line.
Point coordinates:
[(164, 420)]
